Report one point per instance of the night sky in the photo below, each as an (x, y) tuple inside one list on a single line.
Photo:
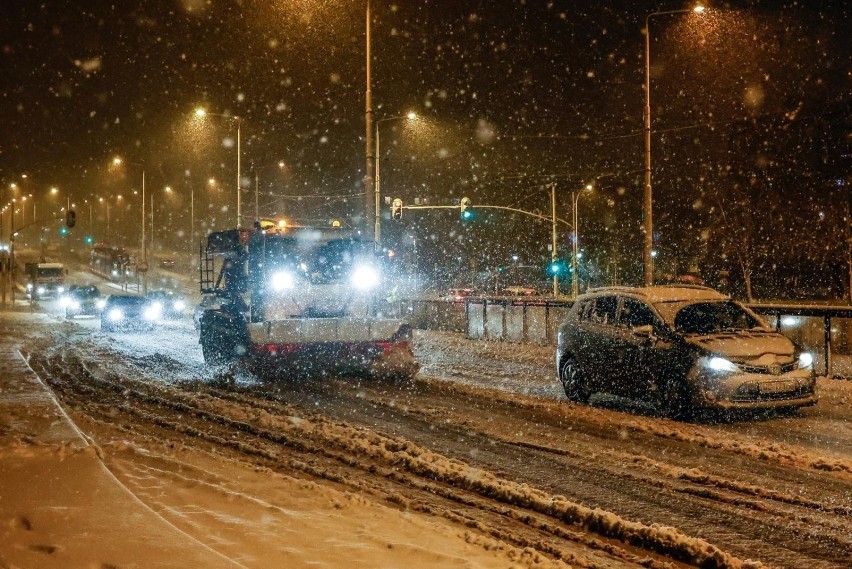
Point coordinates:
[(512, 95)]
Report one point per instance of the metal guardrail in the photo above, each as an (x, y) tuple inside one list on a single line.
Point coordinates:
[(824, 330)]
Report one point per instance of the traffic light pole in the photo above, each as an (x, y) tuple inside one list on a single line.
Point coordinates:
[(552, 219)]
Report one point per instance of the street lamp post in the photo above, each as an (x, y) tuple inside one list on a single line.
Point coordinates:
[(144, 269), (647, 201), (377, 228), (370, 172), (203, 113), (575, 221), (281, 165)]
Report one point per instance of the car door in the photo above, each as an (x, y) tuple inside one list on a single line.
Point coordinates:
[(598, 345), (634, 343)]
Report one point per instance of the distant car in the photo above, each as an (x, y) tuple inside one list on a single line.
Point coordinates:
[(458, 294), (83, 300), (682, 348), (207, 301), (167, 263), (123, 312), (519, 291), (172, 305)]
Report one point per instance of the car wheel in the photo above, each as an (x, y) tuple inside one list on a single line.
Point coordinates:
[(674, 401), (574, 381)]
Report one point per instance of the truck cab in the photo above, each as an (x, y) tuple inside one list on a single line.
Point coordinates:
[(44, 280)]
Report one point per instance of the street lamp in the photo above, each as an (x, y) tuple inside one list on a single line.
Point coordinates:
[(377, 231), (201, 113), (281, 165), (647, 202), (116, 162), (575, 198)]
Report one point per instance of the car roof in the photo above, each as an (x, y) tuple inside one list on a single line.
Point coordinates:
[(662, 293)]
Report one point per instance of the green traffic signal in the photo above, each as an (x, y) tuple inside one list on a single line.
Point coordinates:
[(63, 231), (89, 240)]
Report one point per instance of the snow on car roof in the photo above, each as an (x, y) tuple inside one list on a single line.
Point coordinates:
[(667, 293)]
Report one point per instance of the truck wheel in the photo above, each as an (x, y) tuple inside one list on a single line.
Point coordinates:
[(212, 351)]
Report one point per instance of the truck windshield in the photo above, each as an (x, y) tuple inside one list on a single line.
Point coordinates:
[(49, 273), (318, 262)]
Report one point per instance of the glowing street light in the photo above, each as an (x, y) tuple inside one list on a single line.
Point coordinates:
[(202, 113), (647, 201), (377, 231)]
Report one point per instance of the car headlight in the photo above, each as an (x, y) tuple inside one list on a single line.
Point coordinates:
[(116, 314), (282, 280), (64, 301), (40, 290), (153, 311), (29, 286), (806, 359), (73, 305), (101, 303), (114, 273), (60, 289), (179, 305), (365, 277), (721, 364)]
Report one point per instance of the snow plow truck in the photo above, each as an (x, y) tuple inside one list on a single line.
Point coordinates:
[(299, 301)]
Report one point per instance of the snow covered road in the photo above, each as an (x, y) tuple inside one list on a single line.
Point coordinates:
[(483, 441)]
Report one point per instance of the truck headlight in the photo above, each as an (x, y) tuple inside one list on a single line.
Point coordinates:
[(365, 277), (806, 359), (153, 311), (721, 364), (282, 280), (115, 315)]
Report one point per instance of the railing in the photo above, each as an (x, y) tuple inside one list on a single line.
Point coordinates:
[(824, 330)]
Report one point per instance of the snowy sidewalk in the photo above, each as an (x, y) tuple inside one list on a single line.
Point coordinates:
[(59, 505)]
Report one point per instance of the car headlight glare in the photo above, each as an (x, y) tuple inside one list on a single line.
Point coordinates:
[(60, 289), (116, 314), (721, 364), (40, 290), (282, 280), (365, 277), (29, 286), (806, 359), (101, 303), (179, 305), (73, 305), (64, 301)]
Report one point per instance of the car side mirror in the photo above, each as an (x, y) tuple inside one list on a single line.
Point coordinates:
[(646, 331)]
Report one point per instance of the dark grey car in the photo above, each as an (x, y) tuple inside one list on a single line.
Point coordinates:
[(680, 347), (123, 312)]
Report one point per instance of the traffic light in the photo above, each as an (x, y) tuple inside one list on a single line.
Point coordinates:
[(464, 209), (396, 208), (556, 268), (63, 231), (89, 239), (71, 218)]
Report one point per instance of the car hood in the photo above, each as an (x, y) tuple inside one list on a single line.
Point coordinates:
[(747, 346)]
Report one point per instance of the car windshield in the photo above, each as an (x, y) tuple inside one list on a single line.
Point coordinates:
[(127, 300), (86, 292), (715, 317)]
